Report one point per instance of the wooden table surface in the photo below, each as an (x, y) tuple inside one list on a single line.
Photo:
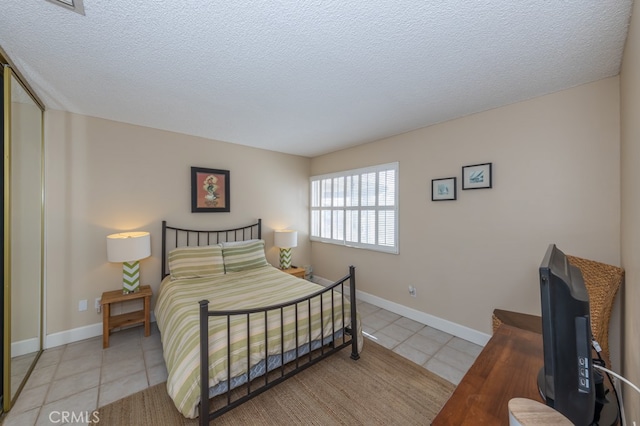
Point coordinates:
[(520, 320), (506, 368)]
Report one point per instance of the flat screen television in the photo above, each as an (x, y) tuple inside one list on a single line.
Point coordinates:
[(566, 381)]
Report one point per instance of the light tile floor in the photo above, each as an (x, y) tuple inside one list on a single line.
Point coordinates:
[(79, 377), (441, 353)]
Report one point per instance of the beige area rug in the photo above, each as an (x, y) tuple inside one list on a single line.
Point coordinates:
[(381, 388)]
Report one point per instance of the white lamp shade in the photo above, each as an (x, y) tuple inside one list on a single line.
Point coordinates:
[(286, 239), (128, 246)]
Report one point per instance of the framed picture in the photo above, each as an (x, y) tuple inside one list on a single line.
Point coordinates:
[(210, 190), (443, 189), (477, 176)]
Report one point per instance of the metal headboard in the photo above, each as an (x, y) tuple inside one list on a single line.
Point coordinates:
[(173, 237)]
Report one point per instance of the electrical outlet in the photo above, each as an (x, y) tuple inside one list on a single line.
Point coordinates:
[(82, 305), (412, 291), (98, 305)]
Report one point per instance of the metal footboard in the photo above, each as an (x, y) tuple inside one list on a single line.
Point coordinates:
[(302, 357)]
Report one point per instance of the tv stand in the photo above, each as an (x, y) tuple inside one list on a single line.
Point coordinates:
[(506, 368)]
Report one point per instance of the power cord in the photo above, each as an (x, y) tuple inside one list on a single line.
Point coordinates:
[(601, 365)]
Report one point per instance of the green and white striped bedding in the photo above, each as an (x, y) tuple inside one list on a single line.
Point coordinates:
[(195, 262), (177, 315)]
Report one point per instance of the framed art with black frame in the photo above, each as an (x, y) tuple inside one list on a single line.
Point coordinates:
[(443, 189), (477, 176), (210, 190)]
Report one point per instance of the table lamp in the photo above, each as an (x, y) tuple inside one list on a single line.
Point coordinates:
[(285, 239), (129, 248)]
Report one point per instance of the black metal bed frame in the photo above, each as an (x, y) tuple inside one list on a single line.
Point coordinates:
[(340, 338), (191, 237)]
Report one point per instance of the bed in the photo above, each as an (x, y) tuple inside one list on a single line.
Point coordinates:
[(233, 326)]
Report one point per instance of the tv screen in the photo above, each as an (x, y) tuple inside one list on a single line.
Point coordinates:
[(567, 378)]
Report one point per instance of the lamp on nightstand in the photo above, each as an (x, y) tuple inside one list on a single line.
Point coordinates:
[(285, 239), (129, 248)]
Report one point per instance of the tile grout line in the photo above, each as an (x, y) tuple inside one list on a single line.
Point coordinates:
[(102, 355), (144, 359), (50, 384)]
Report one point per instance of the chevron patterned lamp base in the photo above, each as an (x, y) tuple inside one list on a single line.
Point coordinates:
[(130, 277), (285, 258)]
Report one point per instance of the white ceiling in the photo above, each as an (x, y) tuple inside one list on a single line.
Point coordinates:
[(307, 77)]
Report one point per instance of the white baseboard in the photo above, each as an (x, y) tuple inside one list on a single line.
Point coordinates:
[(24, 347), (73, 335), (452, 328), (76, 334)]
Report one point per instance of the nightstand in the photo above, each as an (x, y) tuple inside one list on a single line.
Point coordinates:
[(295, 271), (131, 318)]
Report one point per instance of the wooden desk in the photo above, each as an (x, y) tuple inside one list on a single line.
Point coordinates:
[(517, 319), (506, 368)]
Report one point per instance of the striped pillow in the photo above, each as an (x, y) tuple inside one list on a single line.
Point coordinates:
[(239, 257), (194, 262)]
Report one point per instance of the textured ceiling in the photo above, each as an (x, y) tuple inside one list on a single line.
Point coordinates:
[(307, 77)]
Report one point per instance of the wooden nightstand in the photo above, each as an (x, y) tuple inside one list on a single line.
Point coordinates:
[(131, 318), (295, 271)]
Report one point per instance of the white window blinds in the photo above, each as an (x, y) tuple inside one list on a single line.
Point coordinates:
[(357, 208)]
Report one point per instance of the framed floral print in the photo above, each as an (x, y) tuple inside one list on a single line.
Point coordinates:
[(210, 190)]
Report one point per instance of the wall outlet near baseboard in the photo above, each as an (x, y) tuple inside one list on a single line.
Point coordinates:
[(98, 305), (82, 305), (412, 291)]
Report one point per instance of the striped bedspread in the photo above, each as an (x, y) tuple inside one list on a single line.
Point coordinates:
[(177, 317)]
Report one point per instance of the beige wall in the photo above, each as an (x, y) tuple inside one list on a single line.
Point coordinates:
[(104, 177), (556, 177), (630, 150)]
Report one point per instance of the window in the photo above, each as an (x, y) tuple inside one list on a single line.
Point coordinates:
[(357, 208)]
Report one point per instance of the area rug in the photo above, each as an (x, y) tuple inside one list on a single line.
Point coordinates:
[(381, 388)]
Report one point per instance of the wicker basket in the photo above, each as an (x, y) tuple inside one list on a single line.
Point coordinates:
[(602, 282), (495, 322)]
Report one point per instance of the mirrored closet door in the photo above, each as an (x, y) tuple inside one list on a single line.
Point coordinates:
[(23, 202)]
